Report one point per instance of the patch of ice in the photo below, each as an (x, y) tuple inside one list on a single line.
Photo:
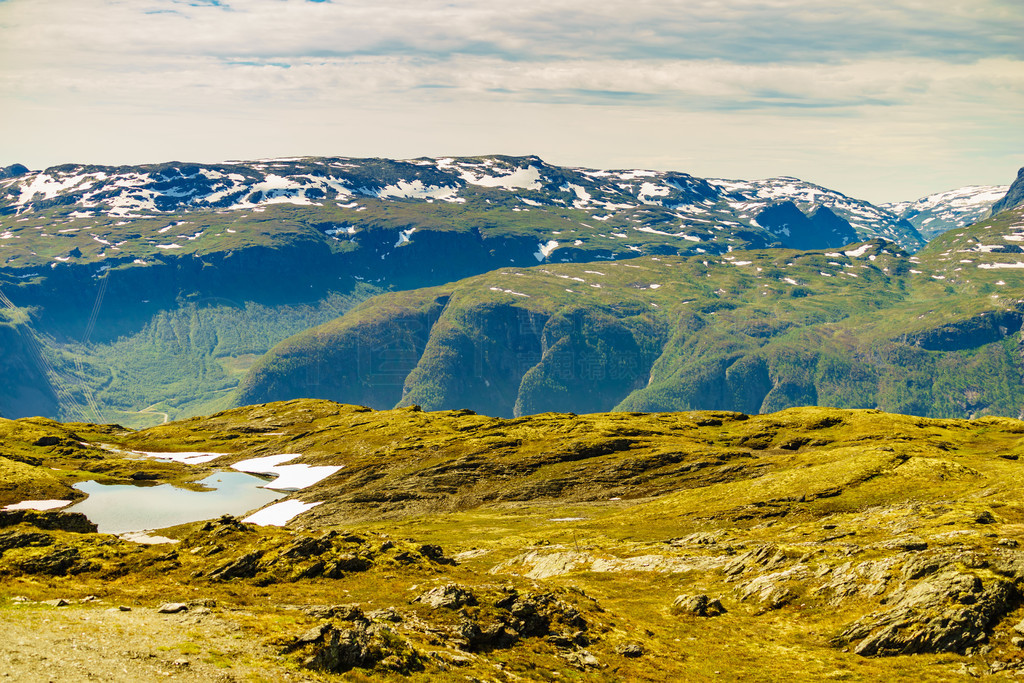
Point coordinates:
[(993, 266), (417, 190), (403, 236), (520, 179), (653, 231), (186, 458), (509, 291), (168, 246), (279, 514), (544, 249), (859, 251), (143, 538), (38, 505), (289, 477)]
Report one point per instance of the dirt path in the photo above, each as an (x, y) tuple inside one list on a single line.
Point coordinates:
[(99, 642)]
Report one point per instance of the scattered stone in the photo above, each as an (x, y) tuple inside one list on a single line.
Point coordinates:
[(907, 544), (180, 663), (451, 596), (245, 567), (124, 608), (582, 659), (340, 612), (59, 602), (631, 650), (336, 650), (771, 590), (950, 612), (435, 553), (74, 522), (10, 540), (1018, 641), (61, 561), (171, 608), (386, 614), (1008, 542), (985, 517), (699, 605)]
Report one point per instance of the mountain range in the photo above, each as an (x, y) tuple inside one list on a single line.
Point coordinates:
[(143, 293)]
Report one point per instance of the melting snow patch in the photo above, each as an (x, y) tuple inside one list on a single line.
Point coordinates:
[(417, 190), (186, 458), (655, 286), (654, 232), (859, 251), (522, 179), (544, 249), (38, 505), (279, 514), (403, 236), (168, 246), (509, 291), (289, 477)]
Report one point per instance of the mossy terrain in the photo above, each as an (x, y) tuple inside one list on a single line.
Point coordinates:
[(809, 543)]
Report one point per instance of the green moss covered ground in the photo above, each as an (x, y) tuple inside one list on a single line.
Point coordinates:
[(842, 544)]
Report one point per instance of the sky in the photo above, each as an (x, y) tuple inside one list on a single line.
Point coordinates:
[(884, 100)]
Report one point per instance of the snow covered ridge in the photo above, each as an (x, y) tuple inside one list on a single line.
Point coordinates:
[(526, 183), (943, 211)]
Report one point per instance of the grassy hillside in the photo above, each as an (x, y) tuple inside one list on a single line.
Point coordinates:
[(867, 326), (809, 543)]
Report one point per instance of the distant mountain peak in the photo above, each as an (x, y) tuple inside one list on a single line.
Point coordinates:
[(1014, 195), (942, 211)]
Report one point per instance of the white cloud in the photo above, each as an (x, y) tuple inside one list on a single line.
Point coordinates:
[(913, 84)]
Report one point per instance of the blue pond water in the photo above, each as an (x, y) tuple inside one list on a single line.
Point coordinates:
[(123, 508)]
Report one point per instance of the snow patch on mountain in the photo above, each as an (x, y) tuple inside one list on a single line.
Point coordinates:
[(942, 211)]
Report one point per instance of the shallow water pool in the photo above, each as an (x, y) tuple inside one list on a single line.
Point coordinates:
[(122, 508)]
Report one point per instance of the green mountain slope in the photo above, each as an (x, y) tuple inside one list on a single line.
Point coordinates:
[(865, 326), (149, 290)]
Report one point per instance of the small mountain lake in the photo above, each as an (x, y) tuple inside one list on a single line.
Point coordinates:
[(120, 508)]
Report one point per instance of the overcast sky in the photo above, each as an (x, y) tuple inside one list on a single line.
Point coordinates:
[(881, 99)]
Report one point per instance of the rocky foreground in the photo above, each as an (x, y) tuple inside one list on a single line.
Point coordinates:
[(812, 543)]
